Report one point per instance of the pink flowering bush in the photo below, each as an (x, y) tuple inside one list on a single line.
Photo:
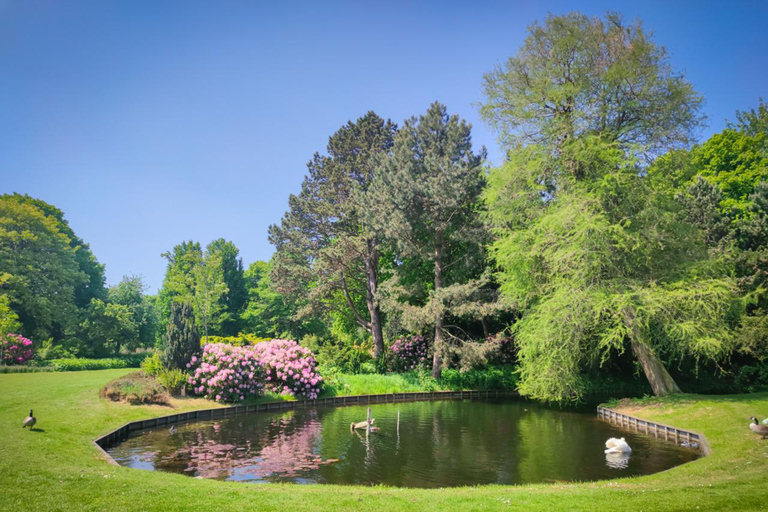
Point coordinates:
[(410, 353), (225, 373), (290, 369), (15, 349)]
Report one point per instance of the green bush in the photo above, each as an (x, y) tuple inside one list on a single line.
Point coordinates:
[(152, 365), (503, 378), (135, 388), (75, 365), (172, 380), (236, 341), (348, 358), (25, 369)]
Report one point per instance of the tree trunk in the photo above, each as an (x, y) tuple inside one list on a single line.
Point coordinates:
[(661, 381), (437, 362), (658, 377), (486, 329), (372, 275)]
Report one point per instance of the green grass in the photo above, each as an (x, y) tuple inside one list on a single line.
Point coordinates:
[(57, 468)]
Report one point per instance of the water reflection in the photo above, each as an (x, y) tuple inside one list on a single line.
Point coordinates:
[(617, 460), (439, 444)]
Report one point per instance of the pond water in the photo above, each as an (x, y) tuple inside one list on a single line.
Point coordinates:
[(440, 444)]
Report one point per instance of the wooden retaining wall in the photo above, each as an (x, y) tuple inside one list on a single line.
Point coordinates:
[(669, 433), (112, 438)]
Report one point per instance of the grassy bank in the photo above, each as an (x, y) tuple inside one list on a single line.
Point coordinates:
[(56, 468)]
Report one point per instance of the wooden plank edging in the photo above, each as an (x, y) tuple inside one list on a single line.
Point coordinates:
[(647, 426)]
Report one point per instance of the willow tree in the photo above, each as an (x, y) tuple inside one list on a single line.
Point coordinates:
[(424, 200), (324, 247), (605, 266)]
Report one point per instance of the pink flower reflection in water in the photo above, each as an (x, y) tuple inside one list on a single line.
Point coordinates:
[(286, 450)]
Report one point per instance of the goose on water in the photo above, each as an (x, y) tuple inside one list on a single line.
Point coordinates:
[(29, 421)]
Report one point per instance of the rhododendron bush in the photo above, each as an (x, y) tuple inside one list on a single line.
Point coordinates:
[(15, 349), (230, 374), (226, 373), (290, 368), (410, 353)]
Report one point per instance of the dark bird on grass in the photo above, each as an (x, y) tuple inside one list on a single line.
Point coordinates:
[(757, 428), (29, 421)]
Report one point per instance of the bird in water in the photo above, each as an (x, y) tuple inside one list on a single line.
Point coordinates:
[(29, 421), (172, 430), (757, 428), (614, 445)]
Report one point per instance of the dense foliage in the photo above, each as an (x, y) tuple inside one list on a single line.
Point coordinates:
[(181, 339)]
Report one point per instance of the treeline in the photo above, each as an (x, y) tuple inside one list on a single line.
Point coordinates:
[(607, 243), (53, 290)]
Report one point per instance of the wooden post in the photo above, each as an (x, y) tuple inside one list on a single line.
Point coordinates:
[(368, 424), (398, 423)]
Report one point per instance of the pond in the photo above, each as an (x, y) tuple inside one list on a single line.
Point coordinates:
[(439, 444)]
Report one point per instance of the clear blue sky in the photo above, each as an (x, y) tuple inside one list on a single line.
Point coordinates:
[(152, 122)]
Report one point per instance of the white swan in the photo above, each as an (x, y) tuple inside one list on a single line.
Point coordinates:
[(614, 445)]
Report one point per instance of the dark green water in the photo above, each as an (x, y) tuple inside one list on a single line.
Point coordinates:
[(440, 444)]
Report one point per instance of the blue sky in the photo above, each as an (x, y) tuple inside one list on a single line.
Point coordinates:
[(151, 122)]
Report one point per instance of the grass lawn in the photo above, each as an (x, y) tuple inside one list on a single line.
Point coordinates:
[(57, 468)]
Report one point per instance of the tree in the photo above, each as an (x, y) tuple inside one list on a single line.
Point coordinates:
[(268, 313), (94, 286), (323, 243), (181, 340), (233, 301), (576, 76), (108, 327), (209, 290), (424, 198), (179, 282), (752, 121), (604, 265), (9, 320), (40, 267), (130, 292)]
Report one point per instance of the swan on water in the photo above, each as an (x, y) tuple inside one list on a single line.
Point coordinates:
[(614, 445)]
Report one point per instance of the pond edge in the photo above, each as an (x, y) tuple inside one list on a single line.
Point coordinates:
[(648, 427)]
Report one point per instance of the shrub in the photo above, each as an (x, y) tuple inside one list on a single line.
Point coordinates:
[(135, 388), (172, 380), (290, 368), (490, 378), (152, 365), (410, 353), (226, 373), (25, 369), (240, 340), (347, 357), (48, 351), (74, 365), (15, 349)]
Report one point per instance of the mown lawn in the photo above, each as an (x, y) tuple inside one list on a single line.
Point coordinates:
[(57, 468)]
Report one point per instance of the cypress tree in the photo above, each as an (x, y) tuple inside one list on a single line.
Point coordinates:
[(181, 340)]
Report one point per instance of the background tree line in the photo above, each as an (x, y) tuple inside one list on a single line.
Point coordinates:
[(606, 243)]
